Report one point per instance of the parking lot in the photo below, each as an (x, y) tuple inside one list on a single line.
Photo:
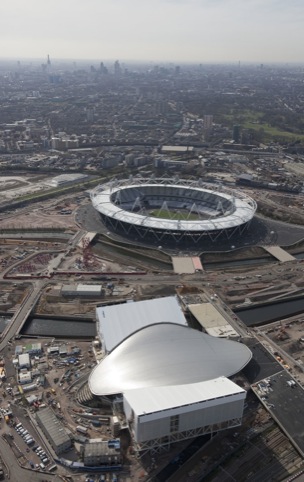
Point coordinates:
[(284, 398)]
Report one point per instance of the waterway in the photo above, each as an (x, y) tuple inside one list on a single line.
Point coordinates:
[(260, 315), (156, 260), (299, 255), (236, 263), (44, 327), (79, 328), (4, 321)]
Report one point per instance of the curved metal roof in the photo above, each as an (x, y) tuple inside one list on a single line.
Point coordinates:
[(166, 354), (244, 209)]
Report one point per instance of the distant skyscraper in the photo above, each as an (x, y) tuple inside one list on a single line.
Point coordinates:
[(47, 67), (103, 69), (117, 68), (90, 112), (208, 121), (161, 107), (236, 133)]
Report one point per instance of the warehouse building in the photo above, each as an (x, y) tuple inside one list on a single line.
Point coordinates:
[(53, 430), (82, 290), (102, 452), (33, 349), (25, 378), (24, 361), (64, 179)]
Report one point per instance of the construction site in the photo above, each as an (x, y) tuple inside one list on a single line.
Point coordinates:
[(58, 264)]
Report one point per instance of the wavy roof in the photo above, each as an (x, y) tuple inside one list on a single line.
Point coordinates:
[(166, 354)]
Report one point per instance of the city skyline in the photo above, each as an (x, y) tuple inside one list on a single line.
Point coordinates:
[(167, 30)]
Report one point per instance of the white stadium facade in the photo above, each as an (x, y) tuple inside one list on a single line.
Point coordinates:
[(137, 207), (171, 380)]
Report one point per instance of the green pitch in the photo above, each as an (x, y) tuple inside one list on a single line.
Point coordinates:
[(177, 215)]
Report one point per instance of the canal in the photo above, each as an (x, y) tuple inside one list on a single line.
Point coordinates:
[(260, 315), (59, 327)]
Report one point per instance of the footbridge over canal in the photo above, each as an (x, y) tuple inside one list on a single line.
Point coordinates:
[(279, 253)]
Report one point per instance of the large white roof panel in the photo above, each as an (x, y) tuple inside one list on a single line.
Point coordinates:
[(117, 322), (155, 399)]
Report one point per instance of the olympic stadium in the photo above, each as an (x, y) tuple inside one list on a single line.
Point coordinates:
[(172, 211)]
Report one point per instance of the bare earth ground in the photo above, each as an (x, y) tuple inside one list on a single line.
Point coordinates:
[(38, 218)]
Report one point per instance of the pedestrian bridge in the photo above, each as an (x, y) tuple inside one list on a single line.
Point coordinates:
[(279, 253)]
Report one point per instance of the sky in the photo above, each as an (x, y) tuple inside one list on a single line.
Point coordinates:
[(154, 30)]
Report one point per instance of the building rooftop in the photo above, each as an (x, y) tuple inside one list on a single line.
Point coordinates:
[(117, 322), (166, 354), (212, 320), (53, 426), (154, 399)]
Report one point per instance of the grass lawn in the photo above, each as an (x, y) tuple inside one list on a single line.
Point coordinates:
[(273, 132), (249, 119)]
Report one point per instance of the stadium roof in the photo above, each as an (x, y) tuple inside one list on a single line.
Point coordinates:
[(154, 399), (117, 322), (244, 208), (166, 354)]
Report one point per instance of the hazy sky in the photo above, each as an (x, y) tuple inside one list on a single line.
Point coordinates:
[(168, 30)]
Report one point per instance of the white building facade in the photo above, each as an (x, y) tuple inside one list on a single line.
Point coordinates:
[(160, 416)]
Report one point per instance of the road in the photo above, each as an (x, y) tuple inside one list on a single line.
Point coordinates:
[(17, 473), (31, 297), (21, 315)]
